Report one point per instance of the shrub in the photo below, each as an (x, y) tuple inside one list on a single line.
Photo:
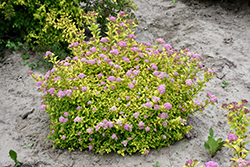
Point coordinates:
[(118, 94), (35, 21)]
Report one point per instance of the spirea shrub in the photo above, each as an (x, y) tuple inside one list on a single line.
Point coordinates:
[(117, 94)]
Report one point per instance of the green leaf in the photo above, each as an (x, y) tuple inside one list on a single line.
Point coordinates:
[(206, 145), (211, 132), (13, 155)]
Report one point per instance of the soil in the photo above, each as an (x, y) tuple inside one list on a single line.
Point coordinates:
[(218, 31)]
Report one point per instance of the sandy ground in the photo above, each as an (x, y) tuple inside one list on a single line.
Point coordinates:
[(218, 31)]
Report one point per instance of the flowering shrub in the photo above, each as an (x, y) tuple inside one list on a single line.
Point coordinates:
[(238, 121), (121, 95), (236, 138)]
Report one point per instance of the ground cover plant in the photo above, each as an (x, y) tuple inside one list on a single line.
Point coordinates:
[(121, 95)]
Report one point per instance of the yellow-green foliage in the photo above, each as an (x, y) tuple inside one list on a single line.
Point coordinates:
[(37, 20), (118, 94)]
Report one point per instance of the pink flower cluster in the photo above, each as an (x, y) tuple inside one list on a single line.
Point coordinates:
[(161, 89), (77, 119), (114, 136), (136, 115), (62, 119), (211, 164), (232, 137), (163, 115), (141, 125), (73, 44), (128, 127), (243, 163), (212, 97)]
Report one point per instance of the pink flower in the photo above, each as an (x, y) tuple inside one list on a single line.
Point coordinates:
[(51, 90), (53, 131), (136, 115), (63, 137), (112, 87), (60, 94), (156, 107), (147, 128), (167, 105), (29, 72), (164, 137), (66, 114), (128, 104), (131, 36), (127, 98), (211, 71), (197, 103), (213, 98), (167, 46), (90, 130), (189, 82), (134, 49), (114, 136), (68, 92), (48, 53), (115, 51), (146, 60), (171, 80), (161, 89), (93, 49), (165, 124), (125, 59), (112, 18), (78, 108), (113, 108), (141, 123), (148, 104), (156, 99), (111, 78), (90, 147), (146, 152), (163, 115), (232, 136), (43, 107), (118, 79), (79, 139), (211, 164), (242, 162), (197, 56), (89, 102), (160, 40), (122, 44), (39, 83), (131, 86), (105, 39), (79, 133), (77, 119), (57, 78), (176, 73), (125, 142), (84, 88)]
